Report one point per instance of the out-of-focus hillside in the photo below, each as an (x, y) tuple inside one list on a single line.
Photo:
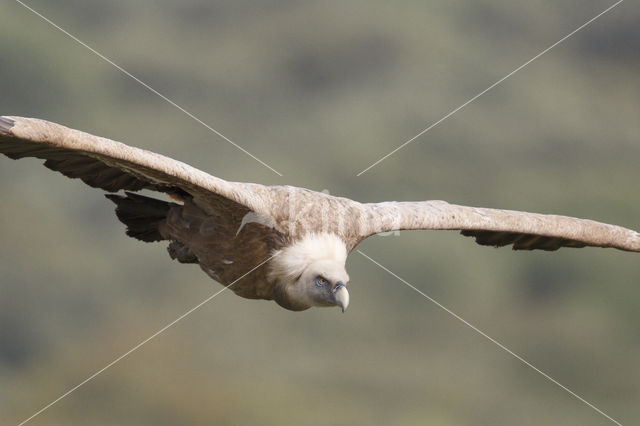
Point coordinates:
[(319, 91)]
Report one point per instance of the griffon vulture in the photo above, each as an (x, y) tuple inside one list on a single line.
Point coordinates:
[(229, 228)]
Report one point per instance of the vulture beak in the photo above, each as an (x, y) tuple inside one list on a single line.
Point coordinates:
[(341, 295)]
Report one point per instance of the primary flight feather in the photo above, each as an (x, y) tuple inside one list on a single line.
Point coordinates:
[(229, 228)]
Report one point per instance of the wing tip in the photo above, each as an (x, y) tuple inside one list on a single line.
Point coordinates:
[(6, 124)]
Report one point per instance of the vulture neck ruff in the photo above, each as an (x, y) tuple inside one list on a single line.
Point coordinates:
[(291, 261)]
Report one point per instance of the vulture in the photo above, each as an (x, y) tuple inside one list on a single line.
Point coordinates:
[(280, 243)]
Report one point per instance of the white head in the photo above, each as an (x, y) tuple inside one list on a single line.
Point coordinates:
[(311, 272)]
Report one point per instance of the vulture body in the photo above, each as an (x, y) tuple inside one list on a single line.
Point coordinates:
[(279, 243)]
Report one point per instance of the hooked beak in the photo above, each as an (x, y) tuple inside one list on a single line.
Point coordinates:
[(341, 296)]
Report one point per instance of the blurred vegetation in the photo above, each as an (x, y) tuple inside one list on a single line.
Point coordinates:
[(320, 91)]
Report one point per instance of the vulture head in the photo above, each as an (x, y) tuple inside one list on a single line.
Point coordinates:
[(311, 272)]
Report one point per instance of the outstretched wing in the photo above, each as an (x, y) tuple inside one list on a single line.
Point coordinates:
[(493, 227), (207, 229), (112, 166)]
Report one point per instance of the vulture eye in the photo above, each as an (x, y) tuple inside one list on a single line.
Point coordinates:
[(321, 281)]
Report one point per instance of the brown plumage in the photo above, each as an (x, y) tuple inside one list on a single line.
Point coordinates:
[(228, 228)]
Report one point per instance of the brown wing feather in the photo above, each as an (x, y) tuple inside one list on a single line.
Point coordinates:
[(494, 227), (520, 241), (204, 229), (69, 162), (114, 166)]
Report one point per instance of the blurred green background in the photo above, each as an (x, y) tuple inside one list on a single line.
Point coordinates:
[(320, 90)]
